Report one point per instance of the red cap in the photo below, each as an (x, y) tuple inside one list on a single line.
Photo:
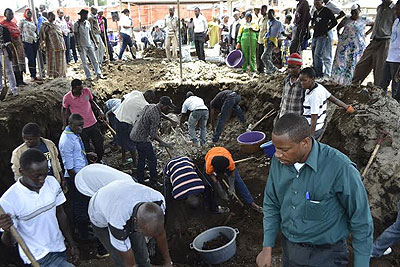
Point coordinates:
[(295, 59)]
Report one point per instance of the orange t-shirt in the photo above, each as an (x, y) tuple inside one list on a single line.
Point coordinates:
[(218, 151)]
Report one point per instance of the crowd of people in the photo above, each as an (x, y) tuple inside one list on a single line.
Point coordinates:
[(314, 194)]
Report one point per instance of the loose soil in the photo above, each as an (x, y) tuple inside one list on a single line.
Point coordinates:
[(354, 135), (220, 241)]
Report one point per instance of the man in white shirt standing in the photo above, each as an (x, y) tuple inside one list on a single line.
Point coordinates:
[(391, 68), (171, 29), (122, 214), (34, 206), (125, 31), (198, 114), (200, 30)]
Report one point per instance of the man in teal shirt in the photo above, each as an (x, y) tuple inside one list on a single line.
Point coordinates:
[(314, 193)]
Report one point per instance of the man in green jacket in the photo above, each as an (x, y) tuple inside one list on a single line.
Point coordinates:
[(316, 196)]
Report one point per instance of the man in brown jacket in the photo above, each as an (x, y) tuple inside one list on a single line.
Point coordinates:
[(32, 139)]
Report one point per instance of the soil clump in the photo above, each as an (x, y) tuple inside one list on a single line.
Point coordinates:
[(220, 241)]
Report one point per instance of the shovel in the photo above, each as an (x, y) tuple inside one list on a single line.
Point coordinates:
[(269, 114), (373, 155)]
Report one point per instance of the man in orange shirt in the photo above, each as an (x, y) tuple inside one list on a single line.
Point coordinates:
[(219, 162)]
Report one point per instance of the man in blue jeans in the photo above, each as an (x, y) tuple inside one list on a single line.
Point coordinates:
[(382, 245), (225, 102), (144, 130), (322, 21), (219, 163), (125, 31), (198, 115)]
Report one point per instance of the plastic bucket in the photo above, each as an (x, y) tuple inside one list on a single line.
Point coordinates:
[(235, 59), (269, 149), (218, 255), (250, 141)]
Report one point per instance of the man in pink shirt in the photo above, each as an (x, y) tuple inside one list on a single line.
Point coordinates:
[(80, 101)]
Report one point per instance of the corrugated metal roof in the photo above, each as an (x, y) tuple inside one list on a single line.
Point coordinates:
[(169, 2)]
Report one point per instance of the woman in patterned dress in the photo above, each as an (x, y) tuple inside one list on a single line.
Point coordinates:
[(52, 41), (350, 46)]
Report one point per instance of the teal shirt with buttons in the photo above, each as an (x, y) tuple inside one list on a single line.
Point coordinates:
[(321, 204)]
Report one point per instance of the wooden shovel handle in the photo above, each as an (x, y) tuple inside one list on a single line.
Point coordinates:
[(21, 242)]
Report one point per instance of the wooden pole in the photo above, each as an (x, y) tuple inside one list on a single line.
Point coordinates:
[(234, 194), (21, 242), (180, 41)]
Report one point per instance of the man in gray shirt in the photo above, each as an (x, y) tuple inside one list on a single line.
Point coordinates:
[(145, 129), (86, 44), (96, 32), (376, 52)]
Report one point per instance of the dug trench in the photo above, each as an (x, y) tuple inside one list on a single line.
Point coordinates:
[(356, 136)]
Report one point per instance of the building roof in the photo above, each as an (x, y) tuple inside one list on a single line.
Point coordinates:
[(169, 2)]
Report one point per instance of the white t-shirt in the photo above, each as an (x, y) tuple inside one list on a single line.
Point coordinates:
[(316, 102), (394, 47), (193, 103), (200, 24), (91, 178), (298, 166), (131, 107), (113, 205), (34, 216), (125, 21)]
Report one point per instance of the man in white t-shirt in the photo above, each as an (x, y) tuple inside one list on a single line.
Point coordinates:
[(125, 31), (391, 68), (315, 103), (95, 176), (198, 114), (126, 115), (34, 206), (122, 214)]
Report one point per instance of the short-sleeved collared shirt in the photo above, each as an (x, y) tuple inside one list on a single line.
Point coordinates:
[(34, 216), (319, 204), (81, 105), (292, 98), (147, 125), (112, 206), (171, 25)]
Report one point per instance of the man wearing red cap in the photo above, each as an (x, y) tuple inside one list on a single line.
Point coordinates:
[(292, 94)]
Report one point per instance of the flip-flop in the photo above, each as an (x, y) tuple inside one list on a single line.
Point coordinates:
[(222, 210)]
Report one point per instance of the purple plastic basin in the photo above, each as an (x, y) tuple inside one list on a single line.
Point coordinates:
[(235, 59), (251, 138)]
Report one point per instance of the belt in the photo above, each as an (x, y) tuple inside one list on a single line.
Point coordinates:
[(321, 246)]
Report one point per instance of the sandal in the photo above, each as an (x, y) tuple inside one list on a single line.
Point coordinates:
[(222, 210)]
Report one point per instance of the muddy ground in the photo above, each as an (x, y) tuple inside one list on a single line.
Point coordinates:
[(354, 135)]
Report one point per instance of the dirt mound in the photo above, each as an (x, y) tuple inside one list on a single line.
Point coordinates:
[(154, 52), (37, 103)]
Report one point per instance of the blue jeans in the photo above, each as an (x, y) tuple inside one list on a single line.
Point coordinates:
[(146, 152), (328, 55), (73, 48), (201, 117), (146, 42), (126, 41), (389, 237), (318, 46), (30, 53), (266, 57), (242, 189), (230, 103), (138, 243), (68, 47), (55, 259), (388, 72)]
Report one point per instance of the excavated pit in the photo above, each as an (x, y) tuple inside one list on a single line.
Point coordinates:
[(354, 135)]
